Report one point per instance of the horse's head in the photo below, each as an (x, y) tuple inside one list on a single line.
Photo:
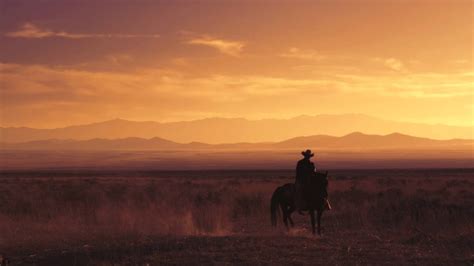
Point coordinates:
[(320, 183)]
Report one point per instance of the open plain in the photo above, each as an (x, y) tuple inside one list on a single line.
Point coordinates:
[(223, 217)]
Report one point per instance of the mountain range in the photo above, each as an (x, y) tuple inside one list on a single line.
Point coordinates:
[(233, 130), (354, 141)]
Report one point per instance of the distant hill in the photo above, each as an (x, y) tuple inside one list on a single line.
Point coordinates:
[(354, 140), (232, 130), (359, 140)]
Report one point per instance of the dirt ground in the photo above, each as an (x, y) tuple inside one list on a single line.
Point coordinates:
[(361, 248)]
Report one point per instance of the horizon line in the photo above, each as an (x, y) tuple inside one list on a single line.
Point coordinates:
[(243, 142)]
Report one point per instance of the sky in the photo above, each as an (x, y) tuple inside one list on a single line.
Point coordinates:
[(69, 62)]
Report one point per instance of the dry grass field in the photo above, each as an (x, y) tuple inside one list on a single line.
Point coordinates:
[(223, 217)]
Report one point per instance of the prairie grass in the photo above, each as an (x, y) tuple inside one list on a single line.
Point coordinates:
[(43, 212)]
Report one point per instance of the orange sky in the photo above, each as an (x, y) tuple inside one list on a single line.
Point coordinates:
[(71, 62)]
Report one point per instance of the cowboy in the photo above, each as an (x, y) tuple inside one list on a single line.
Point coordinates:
[(304, 170)]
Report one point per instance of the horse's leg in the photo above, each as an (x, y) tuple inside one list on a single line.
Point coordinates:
[(285, 215), (311, 213), (291, 209), (320, 213)]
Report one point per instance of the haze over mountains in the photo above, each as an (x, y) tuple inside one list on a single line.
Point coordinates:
[(356, 140), (219, 143), (234, 130)]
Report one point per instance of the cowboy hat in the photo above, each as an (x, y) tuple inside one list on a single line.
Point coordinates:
[(307, 153)]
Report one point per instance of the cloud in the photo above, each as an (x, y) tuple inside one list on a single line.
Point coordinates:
[(46, 94), (222, 88), (37, 91), (31, 31), (302, 54), (394, 64), (118, 59), (391, 63), (232, 48), (410, 85)]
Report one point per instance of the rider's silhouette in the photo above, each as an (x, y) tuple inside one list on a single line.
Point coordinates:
[(304, 170)]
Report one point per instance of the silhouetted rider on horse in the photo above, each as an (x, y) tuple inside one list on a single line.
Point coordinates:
[(305, 169), (309, 193)]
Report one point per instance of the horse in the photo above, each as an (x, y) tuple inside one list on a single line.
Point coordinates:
[(314, 195)]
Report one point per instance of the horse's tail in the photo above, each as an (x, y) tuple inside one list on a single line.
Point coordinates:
[(274, 206)]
